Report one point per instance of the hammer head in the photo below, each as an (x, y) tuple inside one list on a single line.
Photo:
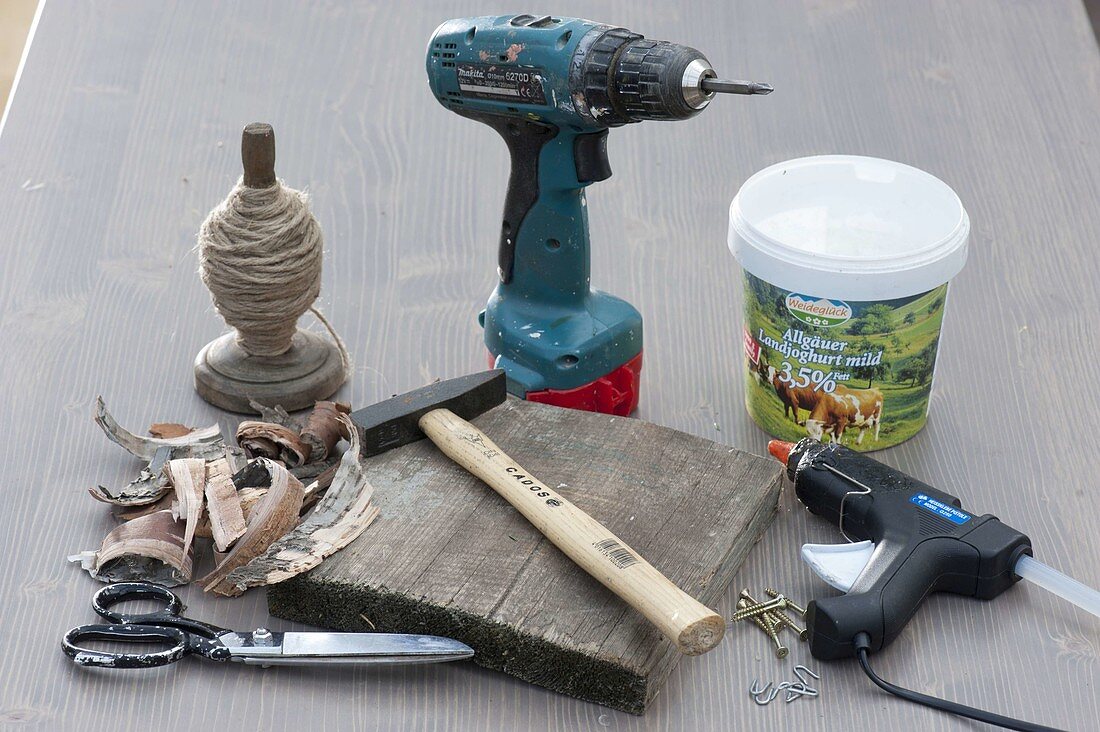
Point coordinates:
[(396, 421)]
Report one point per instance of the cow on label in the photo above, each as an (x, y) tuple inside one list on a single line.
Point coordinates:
[(794, 397), (844, 408)]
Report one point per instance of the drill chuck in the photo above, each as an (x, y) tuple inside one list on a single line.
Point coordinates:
[(627, 78), (659, 80)]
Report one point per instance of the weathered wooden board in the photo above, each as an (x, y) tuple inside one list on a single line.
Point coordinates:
[(449, 556)]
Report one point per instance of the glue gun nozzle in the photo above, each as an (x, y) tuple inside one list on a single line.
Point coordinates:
[(780, 450)]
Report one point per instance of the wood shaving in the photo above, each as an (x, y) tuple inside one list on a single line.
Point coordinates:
[(274, 415), (188, 478), (313, 470), (340, 516), (164, 504), (324, 429), (223, 505), (149, 548), (195, 443), (168, 430), (273, 441), (272, 517), (150, 485)]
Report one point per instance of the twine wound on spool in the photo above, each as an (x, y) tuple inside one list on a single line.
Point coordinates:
[(260, 257), (260, 254)]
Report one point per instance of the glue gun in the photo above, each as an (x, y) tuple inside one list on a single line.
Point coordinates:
[(907, 540)]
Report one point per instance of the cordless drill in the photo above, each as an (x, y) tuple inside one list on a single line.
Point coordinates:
[(551, 87)]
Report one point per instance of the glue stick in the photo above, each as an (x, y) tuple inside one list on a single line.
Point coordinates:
[(846, 262)]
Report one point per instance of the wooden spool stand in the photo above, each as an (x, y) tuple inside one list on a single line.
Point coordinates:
[(311, 370)]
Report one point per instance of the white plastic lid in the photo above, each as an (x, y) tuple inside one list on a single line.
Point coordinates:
[(849, 227)]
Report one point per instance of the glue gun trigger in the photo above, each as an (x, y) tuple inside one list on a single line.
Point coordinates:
[(838, 564)]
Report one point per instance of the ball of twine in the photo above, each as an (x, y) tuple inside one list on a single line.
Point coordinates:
[(260, 255)]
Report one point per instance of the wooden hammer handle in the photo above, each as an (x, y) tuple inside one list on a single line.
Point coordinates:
[(692, 626)]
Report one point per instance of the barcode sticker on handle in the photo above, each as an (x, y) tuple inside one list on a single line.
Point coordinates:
[(617, 553)]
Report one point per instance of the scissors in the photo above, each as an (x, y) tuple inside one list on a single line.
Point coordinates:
[(261, 646)]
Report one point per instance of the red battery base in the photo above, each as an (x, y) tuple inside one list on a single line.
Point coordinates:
[(613, 393)]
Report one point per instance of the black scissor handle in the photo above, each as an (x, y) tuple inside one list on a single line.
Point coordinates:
[(104, 599), (169, 616), (127, 634)]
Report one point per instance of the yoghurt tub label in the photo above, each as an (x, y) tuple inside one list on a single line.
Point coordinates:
[(858, 373)]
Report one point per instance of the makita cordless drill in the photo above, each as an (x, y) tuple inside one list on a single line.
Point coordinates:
[(552, 87)]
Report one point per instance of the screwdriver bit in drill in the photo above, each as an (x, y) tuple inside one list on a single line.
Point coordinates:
[(725, 86)]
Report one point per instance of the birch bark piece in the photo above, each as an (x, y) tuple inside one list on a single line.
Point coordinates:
[(164, 504), (188, 478), (149, 487), (274, 415), (247, 499), (340, 516), (324, 429), (168, 430), (273, 516), (317, 470), (194, 443), (150, 548), (223, 505), (260, 439)]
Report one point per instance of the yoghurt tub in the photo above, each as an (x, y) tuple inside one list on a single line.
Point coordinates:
[(846, 262)]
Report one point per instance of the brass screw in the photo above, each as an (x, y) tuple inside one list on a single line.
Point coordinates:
[(773, 594), (787, 620), (779, 618), (768, 627), (759, 609)]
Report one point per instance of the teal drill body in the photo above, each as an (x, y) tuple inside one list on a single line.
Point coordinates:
[(552, 87)]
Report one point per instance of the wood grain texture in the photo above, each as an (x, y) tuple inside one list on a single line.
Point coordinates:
[(447, 556), (123, 134)]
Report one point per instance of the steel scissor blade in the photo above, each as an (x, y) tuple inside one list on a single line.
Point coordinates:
[(270, 649)]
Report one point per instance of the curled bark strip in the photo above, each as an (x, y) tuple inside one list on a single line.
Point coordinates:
[(149, 487), (260, 439), (254, 474), (259, 447), (146, 489), (274, 415), (168, 430), (223, 505), (323, 480), (340, 516), (310, 471), (324, 429), (164, 504), (193, 444), (149, 548), (248, 498), (273, 516), (188, 478)]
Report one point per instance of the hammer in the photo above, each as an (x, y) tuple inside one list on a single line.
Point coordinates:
[(439, 411)]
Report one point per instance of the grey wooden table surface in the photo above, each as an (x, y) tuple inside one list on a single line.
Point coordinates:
[(124, 132)]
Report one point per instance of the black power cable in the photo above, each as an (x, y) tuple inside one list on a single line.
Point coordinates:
[(862, 642)]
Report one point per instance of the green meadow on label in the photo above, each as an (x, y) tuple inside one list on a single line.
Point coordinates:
[(859, 373)]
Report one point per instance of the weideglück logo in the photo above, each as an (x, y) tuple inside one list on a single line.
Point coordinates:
[(818, 311)]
